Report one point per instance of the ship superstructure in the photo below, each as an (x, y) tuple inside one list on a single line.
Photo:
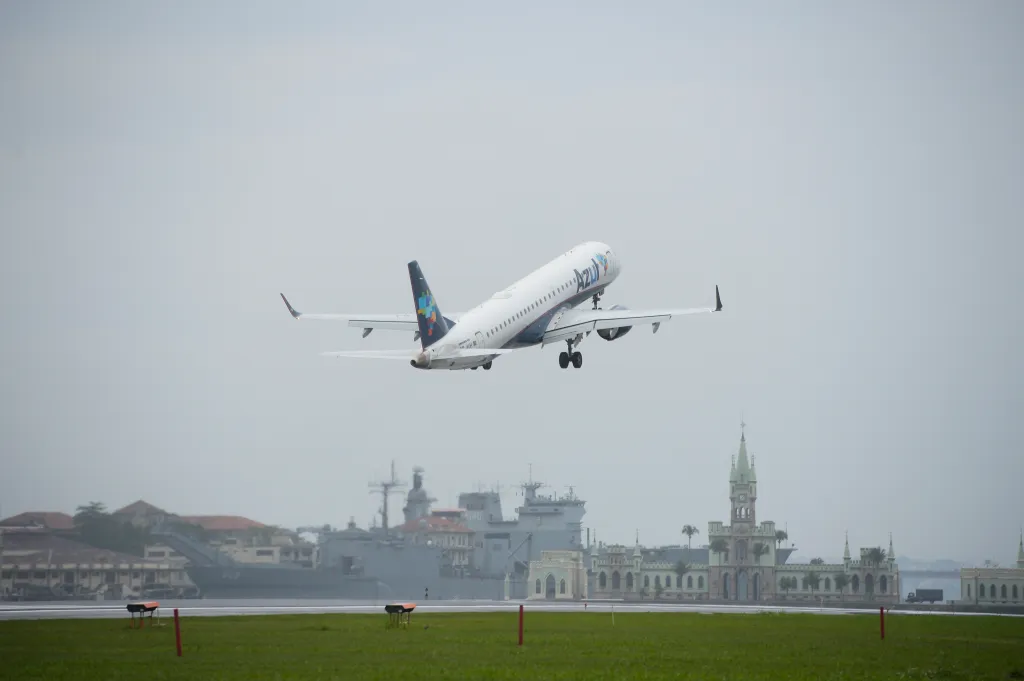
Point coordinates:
[(470, 551)]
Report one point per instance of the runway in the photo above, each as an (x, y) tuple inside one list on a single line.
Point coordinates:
[(227, 607)]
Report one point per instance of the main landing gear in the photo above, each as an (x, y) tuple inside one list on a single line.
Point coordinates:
[(597, 297), (486, 365), (565, 357)]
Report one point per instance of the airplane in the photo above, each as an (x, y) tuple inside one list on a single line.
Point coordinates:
[(539, 309)]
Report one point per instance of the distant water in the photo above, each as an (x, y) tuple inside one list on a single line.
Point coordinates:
[(950, 587)]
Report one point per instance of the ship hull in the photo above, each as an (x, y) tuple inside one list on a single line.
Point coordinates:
[(285, 582)]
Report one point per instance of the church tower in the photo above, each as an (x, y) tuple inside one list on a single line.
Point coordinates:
[(743, 488)]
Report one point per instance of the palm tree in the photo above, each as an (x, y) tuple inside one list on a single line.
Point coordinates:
[(841, 580), (780, 536), (682, 568), (876, 556), (719, 546), (817, 561), (689, 531)]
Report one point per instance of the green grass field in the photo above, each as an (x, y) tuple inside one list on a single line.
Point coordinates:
[(484, 646)]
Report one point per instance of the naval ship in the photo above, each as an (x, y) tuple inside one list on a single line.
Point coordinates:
[(471, 552)]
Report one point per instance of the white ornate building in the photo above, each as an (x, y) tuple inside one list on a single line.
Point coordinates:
[(558, 575), (993, 586), (743, 562)]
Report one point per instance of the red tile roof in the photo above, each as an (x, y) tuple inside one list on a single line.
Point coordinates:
[(51, 520), (433, 524), (139, 506), (222, 523), (33, 546)]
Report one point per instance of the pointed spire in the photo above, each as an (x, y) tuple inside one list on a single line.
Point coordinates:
[(741, 468), (846, 551), (1020, 550), (892, 554)]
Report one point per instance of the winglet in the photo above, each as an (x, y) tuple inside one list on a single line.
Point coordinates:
[(718, 300), (295, 313)]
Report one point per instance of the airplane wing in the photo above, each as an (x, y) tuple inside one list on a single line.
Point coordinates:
[(414, 352), (367, 322), (574, 322)]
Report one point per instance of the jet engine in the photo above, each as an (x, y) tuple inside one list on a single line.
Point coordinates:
[(618, 332), (421, 361)]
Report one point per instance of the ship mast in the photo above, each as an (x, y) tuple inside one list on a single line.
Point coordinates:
[(385, 488)]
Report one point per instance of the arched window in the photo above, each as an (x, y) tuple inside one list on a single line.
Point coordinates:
[(883, 584), (561, 586), (992, 591), (1003, 590), (629, 581), (657, 581), (647, 580), (1014, 592), (981, 591), (538, 586), (828, 584), (700, 582), (968, 590), (855, 584), (689, 585), (602, 580), (616, 581)]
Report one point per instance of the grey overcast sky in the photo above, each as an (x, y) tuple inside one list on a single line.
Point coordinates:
[(850, 174)]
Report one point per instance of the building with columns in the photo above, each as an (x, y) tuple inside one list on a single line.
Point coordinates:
[(994, 585), (742, 562), (558, 575)]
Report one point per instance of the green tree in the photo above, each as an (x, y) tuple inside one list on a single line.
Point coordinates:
[(813, 581), (841, 580), (876, 556), (760, 549), (780, 536), (718, 547), (98, 528), (817, 561)]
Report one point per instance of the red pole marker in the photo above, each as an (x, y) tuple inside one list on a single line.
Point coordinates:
[(520, 624), (881, 621), (177, 632)]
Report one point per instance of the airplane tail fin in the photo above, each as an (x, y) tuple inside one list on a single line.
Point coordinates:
[(433, 325)]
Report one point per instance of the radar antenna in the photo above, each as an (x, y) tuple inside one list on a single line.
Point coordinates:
[(385, 488)]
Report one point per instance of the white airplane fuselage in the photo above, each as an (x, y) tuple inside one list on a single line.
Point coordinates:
[(518, 316), (549, 305)]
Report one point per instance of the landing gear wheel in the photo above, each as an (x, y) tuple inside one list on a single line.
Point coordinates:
[(597, 297), (577, 360), (563, 359), (487, 365)]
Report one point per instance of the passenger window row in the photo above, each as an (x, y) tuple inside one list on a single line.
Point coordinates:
[(532, 306)]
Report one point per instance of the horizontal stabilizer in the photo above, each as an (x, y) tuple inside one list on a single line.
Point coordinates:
[(403, 321), (374, 354)]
